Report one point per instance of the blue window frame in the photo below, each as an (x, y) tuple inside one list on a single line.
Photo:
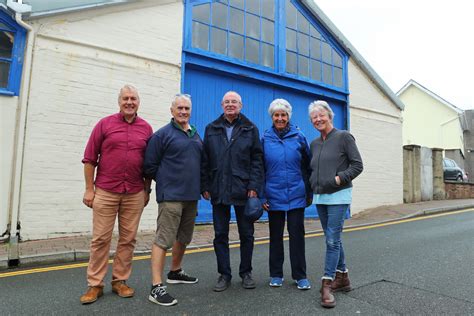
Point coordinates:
[(12, 46), (279, 37)]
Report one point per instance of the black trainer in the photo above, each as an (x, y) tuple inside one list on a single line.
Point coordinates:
[(248, 282), (180, 276), (158, 295)]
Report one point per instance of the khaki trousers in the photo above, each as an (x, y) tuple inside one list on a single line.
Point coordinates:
[(107, 206)]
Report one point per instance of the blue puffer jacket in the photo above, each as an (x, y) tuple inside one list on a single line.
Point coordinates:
[(287, 169)]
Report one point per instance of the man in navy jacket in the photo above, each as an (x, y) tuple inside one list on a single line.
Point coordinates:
[(173, 159), (231, 172)]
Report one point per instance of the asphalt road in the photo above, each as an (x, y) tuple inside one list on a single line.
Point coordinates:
[(422, 267)]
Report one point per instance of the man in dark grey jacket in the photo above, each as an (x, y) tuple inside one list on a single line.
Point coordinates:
[(231, 172)]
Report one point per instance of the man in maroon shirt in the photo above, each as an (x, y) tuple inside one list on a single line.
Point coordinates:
[(116, 148)]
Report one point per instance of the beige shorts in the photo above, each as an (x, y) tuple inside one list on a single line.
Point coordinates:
[(175, 222)]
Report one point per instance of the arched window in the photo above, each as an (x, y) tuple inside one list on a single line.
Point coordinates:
[(277, 36), (12, 44)]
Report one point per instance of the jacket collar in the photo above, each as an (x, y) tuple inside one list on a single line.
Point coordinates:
[(293, 131), (219, 122)]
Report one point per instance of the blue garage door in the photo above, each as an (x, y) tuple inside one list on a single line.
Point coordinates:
[(207, 87)]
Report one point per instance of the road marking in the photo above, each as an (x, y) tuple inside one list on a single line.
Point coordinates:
[(206, 249)]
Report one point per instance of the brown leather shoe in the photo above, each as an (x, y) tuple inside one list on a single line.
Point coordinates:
[(341, 283), (327, 298), (122, 289), (92, 294)]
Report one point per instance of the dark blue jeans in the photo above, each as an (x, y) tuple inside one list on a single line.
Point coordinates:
[(295, 220), (332, 220), (221, 218)]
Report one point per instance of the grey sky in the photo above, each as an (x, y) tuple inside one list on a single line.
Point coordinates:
[(428, 41)]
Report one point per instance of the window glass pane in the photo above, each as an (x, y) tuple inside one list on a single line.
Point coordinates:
[(218, 41), (290, 39), (202, 13), (290, 62), (268, 31), (326, 51), (290, 15), (251, 50), (303, 66), (252, 25), (4, 72), (223, 1), (268, 9), (336, 59), (315, 48), (268, 55), (236, 21), (315, 32), (200, 36), (236, 46), (253, 6), (337, 77), (237, 3), (316, 70), (327, 74), (6, 44), (303, 44), (303, 24), (219, 15)]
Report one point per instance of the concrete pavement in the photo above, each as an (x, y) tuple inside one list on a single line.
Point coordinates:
[(69, 249)]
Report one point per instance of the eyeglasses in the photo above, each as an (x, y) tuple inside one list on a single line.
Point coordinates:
[(231, 102)]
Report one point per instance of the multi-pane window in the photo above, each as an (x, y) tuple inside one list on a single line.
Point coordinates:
[(7, 38), (12, 44), (308, 53), (274, 34), (240, 29)]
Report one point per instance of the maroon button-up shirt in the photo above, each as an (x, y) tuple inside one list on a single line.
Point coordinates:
[(117, 148)]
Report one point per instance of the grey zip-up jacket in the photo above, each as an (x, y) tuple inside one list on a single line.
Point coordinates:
[(337, 155)]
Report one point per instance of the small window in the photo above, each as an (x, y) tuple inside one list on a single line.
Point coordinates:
[(12, 43)]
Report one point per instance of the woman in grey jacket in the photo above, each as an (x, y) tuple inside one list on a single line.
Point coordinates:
[(335, 163)]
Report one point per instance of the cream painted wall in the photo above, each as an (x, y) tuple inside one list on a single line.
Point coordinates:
[(375, 123), (428, 122), (8, 107), (80, 63)]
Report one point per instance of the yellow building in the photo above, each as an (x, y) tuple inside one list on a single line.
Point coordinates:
[(429, 120)]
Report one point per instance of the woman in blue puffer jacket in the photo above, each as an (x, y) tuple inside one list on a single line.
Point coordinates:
[(287, 192)]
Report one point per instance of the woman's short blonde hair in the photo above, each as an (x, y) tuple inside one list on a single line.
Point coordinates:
[(280, 105)]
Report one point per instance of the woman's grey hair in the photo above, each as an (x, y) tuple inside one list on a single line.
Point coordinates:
[(320, 105), (181, 96), (280, 105)]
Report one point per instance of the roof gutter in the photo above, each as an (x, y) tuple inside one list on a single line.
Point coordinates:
[(344, 42)]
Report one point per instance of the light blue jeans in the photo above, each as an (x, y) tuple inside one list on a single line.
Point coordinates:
[(332, 221)]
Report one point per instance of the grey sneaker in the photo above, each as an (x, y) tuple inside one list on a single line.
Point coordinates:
[(248, 282), (222, 284), (158, 295), (180, 277)]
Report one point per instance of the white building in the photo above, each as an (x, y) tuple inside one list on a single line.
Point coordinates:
[(75, 59)]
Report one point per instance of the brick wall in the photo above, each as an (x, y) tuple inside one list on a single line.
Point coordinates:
[(77, 73), (375, 123), (456, 190)]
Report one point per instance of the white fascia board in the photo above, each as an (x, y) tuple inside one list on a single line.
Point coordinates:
[(412, 82)]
